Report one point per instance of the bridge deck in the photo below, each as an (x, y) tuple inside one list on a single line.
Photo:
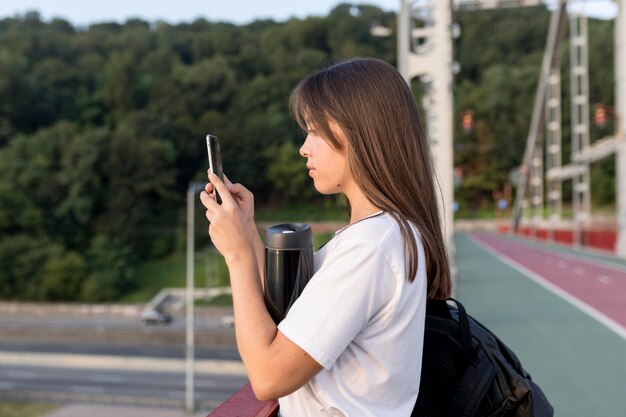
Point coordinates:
[(562, 311)]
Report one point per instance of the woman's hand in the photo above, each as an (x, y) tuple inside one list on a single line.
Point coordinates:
[(242, 197), (228, 229)]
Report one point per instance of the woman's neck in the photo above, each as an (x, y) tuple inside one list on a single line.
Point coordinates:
[(360, 206)]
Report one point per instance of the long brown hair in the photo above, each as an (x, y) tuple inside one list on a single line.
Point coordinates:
[(388, 154)]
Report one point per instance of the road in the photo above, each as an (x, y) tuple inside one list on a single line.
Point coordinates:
[(105, 330), (576, 359), (146, 351), (114, 359), (596, 286), (166, 389), (104, 322)]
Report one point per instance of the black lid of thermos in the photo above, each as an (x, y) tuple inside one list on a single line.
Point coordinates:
[(289, 236), (288, 265)]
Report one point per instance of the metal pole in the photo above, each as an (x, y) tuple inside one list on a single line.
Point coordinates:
[(189, 352), (620, 110), (551, 60)]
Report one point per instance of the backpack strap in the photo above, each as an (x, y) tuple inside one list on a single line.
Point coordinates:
[(478, 376), (454, 324), (466, 333)]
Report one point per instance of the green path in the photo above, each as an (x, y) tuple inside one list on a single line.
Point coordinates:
[(579, 363)]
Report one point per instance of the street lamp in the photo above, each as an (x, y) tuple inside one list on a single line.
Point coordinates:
[(193, 188)]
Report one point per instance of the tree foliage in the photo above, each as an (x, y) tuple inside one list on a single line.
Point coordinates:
[(500, 53), (102, 128)]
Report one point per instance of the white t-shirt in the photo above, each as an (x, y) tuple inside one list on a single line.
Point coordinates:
[(363, 322)]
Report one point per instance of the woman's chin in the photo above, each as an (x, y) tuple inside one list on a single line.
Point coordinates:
[(326, 190)]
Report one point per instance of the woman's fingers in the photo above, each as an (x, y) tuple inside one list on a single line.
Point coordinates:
[(235, 189), (226, 180), (208, 201), (219, 186)]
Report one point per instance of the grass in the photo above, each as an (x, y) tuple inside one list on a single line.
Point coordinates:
[(23, 409), (220, 300), (210, 268), (154, 275), (476, 214), (321, 238), (490, 213), (329, 210)]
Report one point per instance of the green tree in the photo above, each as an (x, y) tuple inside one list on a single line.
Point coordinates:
[(287, 173), (63, 276), (102, 128), (140, 177), (112, 269), (22, 260)]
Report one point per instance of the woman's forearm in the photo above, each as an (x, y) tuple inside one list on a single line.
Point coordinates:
[(254, 328), (259, 251)]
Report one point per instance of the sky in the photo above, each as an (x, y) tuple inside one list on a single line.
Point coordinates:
[(84, 12)]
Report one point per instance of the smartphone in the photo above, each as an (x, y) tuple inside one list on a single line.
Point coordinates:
[(215, 160)]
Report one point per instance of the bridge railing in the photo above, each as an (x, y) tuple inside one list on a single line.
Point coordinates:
[(244, 404)]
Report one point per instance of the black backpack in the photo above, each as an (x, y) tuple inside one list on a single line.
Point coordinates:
[(468, 372)]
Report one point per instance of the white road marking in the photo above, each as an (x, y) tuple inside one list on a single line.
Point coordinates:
[(21, 374), (107, 378), (87, 389), (579, 271), (604, 279), (206, 384), (561, 264)]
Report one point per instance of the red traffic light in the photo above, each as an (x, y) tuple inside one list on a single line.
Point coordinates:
[(467, 120), (599, 115)]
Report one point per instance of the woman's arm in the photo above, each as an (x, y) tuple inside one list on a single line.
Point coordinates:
[(259, 250), (245, 202), (276, 366)]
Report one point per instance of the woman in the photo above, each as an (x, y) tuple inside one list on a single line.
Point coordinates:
[(351, 344)]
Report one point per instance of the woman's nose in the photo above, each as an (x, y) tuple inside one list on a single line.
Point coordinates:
[(304, 150)]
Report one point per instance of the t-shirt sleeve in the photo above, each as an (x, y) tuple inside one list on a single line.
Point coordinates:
[(353, 286)]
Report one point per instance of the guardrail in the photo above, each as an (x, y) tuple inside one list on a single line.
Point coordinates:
[(598, 239), (97, 398), (244, 404)]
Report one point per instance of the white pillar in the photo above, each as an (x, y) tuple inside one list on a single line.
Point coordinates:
[(434, 65), (620, 110), (404, 20), (441, 128)]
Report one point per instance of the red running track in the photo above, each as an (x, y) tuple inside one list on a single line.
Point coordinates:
[(595, 283)]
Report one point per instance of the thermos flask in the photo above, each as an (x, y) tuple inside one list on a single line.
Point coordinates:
[(288, 266)]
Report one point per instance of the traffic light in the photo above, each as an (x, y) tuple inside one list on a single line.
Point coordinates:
[(467, 121), (599, 115)]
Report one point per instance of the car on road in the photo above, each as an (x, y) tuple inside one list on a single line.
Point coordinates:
[(152, 316), (227, 321)]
